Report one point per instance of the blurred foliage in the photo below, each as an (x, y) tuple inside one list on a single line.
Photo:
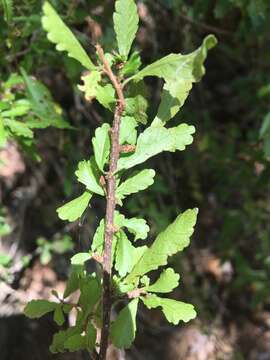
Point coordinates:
[(226, 174)]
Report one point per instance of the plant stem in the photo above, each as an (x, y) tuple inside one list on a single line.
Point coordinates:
[(111, 203)]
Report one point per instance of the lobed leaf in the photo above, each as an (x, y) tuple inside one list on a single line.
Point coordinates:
[(101, 144), (37, 308), (167, 281), (62, 36), (154, 140), (128, 132), (58, 315), (136, 182), (174, 311), (80, 258), (88, 174), (123, 329), (91, 81), (172, 240), (74, 209), (59, 339), (124, 254), (125, 21), (138, 227)]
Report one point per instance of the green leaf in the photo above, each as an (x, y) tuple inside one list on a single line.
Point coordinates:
[(60, 338), (19, 128), (98, 239), (265, 127), (58, 315), (90, 336), (90, 293), (123, 329), (132, 65), (187, 66), (167, 281), (125, 21), (101, 144), (136, 107), (3, 133), (75, 342), (88, 174), (74, 209), (136, 182), (90, 85), (105, 95), (172, 240), (179, 72), (60, 34), (5, 260), (80, 258), (124, 254), (174, 311), (73, 281), (42, 105), (128, 132), (37, 308), (8, 10), (19, 108), (154, 140), (138, 227)]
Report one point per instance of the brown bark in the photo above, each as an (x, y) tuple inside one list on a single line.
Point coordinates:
[(111, 203)]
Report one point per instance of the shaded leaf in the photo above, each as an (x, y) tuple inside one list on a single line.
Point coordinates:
[(128, 132), (123, 329), (58, 315), (124, 254), (37, 308)]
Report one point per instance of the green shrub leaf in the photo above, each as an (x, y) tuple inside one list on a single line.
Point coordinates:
[(167, 281), (125, 21), (172, 240), (61, 35), (136, 182), (88, 174), (123, 329), (124, 254), (138, 227), (90, 85), (74, 209), (90, 336), (174, 311), (176, 138), (75, 342), (128, 132), (101, 144), (37, 308), (80, 258), (58, 315)]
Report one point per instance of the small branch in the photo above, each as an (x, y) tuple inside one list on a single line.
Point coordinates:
[(111, 203)]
